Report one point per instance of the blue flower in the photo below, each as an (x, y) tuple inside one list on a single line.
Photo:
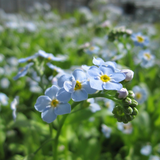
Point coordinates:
[(50, 56), (76, 87), (94, 107), (13, 106), (152, 157), (106, 130), (3, 99), (146, 58), (146, 150), (28, 59), (51, 106), (92, 50), (23, 71), (139, 39), (105, 77), (59, 70), (140, 94), (125, 127)]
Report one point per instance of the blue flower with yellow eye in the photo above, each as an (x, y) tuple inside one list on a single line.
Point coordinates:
[(76, 87), (92, 50), (106, 130), (139, 39), (105, 77), (146, 58), (51, 106)]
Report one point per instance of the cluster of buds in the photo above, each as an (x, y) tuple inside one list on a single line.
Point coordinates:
[(118, 32), (126, 111)]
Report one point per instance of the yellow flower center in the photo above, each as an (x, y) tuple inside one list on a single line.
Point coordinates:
[(107, 104), (140, 39), (138, 95), (91, 48), (105, 78), (49, 58), (54, 102), (78, 85), (147, 55)]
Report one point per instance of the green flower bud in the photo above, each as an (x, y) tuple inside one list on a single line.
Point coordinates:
[(134, 103), (129, 117), (131, 94), (128, 111), (135, 111), (127, 101), (125, 120)]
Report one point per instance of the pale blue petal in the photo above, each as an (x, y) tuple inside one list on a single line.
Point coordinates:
[(88, 88), (118, 77), (63, 95), (42, 102), (112, 86), (94, 72), (79, 95), (48, 115), (97, 61), (107, 70), (51, 92), (69, 86), (63, 108), (62, 79), (79, 75), (94, 107), (96, 84)]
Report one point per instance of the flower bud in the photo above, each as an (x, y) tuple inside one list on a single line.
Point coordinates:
[(131, 94), (134, 103), (127, 101), (135, 111), (122, 93), (128, 111), (129, 74)]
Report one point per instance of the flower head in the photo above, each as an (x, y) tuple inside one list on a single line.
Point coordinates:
[(105, 77), (28, 59), (125, 127), (3, 99), (51, 106), (94, 107), (106, 130), (139, 39), (146, 150), (92, 50), (146, 58), (76, 87)]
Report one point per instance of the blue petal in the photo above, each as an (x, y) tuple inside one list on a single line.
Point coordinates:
[(69, 86), (63, 108), (48, 115), (108, 70), (112, 86), (97, 61), (118, 77), (42, 102), (51, 92), (62, 79), (79, 75), (96, 84), (94, 107), (79, 95), (63, 95), (88, 88), (94, 72)]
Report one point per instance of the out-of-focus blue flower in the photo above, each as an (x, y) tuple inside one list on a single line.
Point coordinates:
[(77, 88), (94, 107), (105, 77), (146, 150), (50, 56), (28, 59), (146, 58), (125, 127), (23, 71), (13, 106), (92, 50), (3, 99), (106, 130), (51, 106), (139, 39), (57, 69), (152, 157), (140, 94), (4, 82)]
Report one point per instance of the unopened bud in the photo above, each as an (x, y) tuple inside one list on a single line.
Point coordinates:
[(131, 94), (122, 93), (128, 111), (127, 101), (135, 111), (129, 74), (134, 103)]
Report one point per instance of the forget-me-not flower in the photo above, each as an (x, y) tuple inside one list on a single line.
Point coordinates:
[(92, 50), (105, 77), (3, 99), (77, 87), (94, 107), (106, 130), (23, 71), (28, 59), (125, 127), (50, 105), (146, 150), (140, 94), (153, 157), (146, 58), (139, 39)]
